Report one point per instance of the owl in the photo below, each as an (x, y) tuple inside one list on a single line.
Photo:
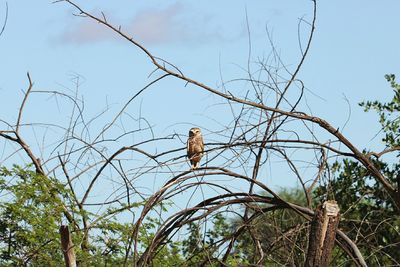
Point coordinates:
[(195, 147)]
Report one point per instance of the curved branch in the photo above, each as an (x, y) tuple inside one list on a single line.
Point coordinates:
[(5, 20), (298, 115)]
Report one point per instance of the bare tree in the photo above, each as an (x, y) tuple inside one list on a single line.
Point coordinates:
[(104, 176)]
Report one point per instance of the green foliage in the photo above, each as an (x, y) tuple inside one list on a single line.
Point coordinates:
[(31, 212), (109, 246), (388, 113), (202, 249), (169, 255), (30, 215)]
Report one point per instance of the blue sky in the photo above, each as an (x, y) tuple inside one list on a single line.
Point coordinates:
[(355, 44)]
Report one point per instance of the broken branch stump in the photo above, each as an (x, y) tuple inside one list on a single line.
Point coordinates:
[(322, 234)]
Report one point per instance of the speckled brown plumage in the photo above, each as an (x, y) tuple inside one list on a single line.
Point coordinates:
[(195, 147)]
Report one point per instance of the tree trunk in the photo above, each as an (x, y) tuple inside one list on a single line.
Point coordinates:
[(67, 246), (322, 235)]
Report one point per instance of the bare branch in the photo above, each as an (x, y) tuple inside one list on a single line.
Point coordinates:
[(5, 20), (23, 103)]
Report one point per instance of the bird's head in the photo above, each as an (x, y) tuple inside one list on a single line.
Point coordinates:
[(194, 131)]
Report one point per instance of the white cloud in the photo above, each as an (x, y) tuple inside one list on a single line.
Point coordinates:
[(150, 26), (158, 26)]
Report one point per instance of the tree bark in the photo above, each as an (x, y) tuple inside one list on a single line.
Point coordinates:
[(322, 235), (67, 246)]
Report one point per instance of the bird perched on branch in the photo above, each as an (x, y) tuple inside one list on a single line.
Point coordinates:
[(195, 147)]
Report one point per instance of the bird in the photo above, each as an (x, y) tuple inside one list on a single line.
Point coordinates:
[(195, 147)]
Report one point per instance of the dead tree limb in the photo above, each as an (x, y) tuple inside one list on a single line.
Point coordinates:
[(67, 246), (322, 234)]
